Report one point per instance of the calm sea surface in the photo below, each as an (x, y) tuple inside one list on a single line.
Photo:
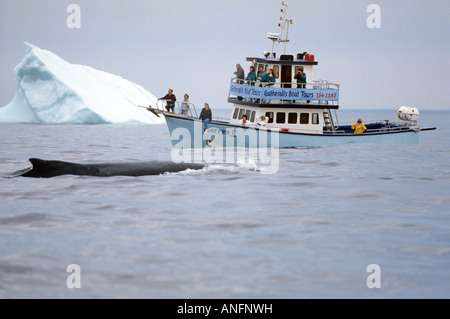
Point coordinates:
[(227, 231)]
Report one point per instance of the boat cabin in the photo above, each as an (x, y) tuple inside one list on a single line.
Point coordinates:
[(286, 103)]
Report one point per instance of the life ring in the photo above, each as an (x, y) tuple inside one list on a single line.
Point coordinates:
[(285, 130)]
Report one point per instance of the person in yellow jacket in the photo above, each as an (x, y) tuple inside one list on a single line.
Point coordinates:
[(359, 127)]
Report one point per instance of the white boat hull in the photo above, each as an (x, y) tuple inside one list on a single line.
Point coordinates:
[(190, 133)]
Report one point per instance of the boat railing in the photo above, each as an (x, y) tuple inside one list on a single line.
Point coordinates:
[(315, 85), (383, 126), (181, 107), (220, 119), (387, 128), (190, 111), (319, 92)]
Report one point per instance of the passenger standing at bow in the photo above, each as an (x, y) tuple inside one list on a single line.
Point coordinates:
[(206, 116), (171, 99), (185, 105)]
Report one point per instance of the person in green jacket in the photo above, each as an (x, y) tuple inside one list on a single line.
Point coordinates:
[(262, 76), (301, 79), (251, 76), (270, 77)]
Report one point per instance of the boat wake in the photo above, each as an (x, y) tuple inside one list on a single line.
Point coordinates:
[(242, 164)]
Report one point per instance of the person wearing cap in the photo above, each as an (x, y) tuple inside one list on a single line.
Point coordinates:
[(359, 127)]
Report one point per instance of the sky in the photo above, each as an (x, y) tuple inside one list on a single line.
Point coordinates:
[(192, 46)]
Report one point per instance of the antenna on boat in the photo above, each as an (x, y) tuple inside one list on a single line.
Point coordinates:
[(278, 37)]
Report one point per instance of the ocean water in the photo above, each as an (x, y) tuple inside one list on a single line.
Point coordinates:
[(226, 231)]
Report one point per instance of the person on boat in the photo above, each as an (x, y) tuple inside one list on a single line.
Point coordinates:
[(270, 77), (359, 127), (262, 76), (301, 78), (240, 75), (263, 120), (170, 98), (251, 76), (206, 116), (185, 105), (244, 120)]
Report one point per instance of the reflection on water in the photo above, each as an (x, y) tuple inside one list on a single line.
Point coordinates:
[(310, 230)]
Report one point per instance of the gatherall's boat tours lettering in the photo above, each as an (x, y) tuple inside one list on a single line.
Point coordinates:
[(269, 93), (280, 104)]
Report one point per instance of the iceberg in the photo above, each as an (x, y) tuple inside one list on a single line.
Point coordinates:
[(50, 90)]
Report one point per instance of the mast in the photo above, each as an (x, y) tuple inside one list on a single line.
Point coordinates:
[(278, 37)]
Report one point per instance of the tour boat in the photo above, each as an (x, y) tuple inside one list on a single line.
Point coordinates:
[(283, 113)]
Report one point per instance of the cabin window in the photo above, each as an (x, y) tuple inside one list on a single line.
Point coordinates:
[(269, 115), (241, 112), (315, 118), (276, 71), (248, 114), (236, 112), (304, 118), (281, 117), (292, 118), (252, 118)]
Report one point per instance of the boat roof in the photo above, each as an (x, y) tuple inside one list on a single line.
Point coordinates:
[(280, 61)]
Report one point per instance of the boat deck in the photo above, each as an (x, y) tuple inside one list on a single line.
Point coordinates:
[(371, 128)]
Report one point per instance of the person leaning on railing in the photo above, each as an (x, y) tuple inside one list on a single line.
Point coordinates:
[(251, 76), (185, 105), (262, 76), (170, 98), (263, 120), (270, 77), (244, 120), (240, 75)]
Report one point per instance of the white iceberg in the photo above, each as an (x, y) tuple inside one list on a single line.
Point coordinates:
[(51, 90)]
